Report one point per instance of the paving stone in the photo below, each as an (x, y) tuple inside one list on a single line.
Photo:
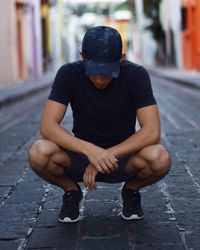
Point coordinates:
[(27, 192), (174, 160), (196, 140), (31, 176), (186, 205), (156, 214), (107, 193), (177, 169), (48, 218), (19, 211), (176, 187), (119, 242), (180, 139), (101, 209), (188, 156), (193, 240), (9, 244), (50, 248), (4, 156), (188, 222), (57, 237), (54, 199), (154, 233), (4, 191), (10, 179), (152, 197), (194, 167), (14, 228), (103, 226), (159, 247)]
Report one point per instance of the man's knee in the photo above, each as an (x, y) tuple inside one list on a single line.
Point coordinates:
[(38, 155), (160, 161)]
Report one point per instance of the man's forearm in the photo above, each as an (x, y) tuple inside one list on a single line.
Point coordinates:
[(135, 142), (101, 159), (65, 139)]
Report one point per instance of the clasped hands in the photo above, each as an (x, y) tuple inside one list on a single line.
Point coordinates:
[(101, 161)]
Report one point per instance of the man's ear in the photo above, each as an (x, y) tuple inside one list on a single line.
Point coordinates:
[(123, 57)]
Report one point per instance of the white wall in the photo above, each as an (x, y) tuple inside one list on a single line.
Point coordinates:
[(8, 59), (9, 43), (143, 45), (170, 16)]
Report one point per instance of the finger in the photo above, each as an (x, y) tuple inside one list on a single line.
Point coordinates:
[(112, 167), (116, 166), (109, 164), (90, 182), (99, 168), (113, 159), (85, 180), (104, 167), (93, 184)]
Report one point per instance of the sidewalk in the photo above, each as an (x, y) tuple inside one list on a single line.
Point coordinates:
[(17, 91), (187, 78)]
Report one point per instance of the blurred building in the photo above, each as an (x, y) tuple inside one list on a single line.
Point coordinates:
[(121, 20), (170, 16), (52, 12), (20, 43), (143, 46), (190, 34), (181, 20)]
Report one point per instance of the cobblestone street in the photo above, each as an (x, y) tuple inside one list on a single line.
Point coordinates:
[(29, 206)]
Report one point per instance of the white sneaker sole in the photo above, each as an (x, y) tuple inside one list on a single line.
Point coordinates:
[(68, 220)]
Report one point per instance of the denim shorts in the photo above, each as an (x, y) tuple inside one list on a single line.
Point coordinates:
[(79, 162)]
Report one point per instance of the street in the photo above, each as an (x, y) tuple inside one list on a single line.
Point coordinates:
[(30, 206)]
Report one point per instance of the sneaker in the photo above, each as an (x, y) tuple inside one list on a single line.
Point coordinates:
[(72, 200), (131, 201)]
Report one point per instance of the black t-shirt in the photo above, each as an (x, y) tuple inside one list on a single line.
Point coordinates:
[(104, 117)]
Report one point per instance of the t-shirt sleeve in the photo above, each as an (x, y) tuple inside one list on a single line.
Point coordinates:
[(62, 86), (141, 89)]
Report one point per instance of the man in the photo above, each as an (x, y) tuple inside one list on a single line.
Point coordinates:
[(106, 94)]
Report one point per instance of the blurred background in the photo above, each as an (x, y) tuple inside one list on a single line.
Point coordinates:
[(37, 36)]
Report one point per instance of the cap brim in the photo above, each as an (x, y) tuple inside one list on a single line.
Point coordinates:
[(102, 68)]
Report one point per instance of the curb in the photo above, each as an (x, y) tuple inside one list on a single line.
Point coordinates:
[(14, 93), (191, 83)]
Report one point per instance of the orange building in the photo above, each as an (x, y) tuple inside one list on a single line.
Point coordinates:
[(191, 34)]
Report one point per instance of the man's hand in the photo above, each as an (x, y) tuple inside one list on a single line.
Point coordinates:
[(89, 177), (103, 160)]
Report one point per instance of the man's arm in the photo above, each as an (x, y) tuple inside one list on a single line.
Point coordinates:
[(51, 129), (53, 114), (148, 134)]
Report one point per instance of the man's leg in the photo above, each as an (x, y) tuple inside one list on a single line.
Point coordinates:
[(148, 166), (48, 161)]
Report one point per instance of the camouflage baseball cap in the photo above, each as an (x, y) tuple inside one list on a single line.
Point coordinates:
[(102, 50)]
